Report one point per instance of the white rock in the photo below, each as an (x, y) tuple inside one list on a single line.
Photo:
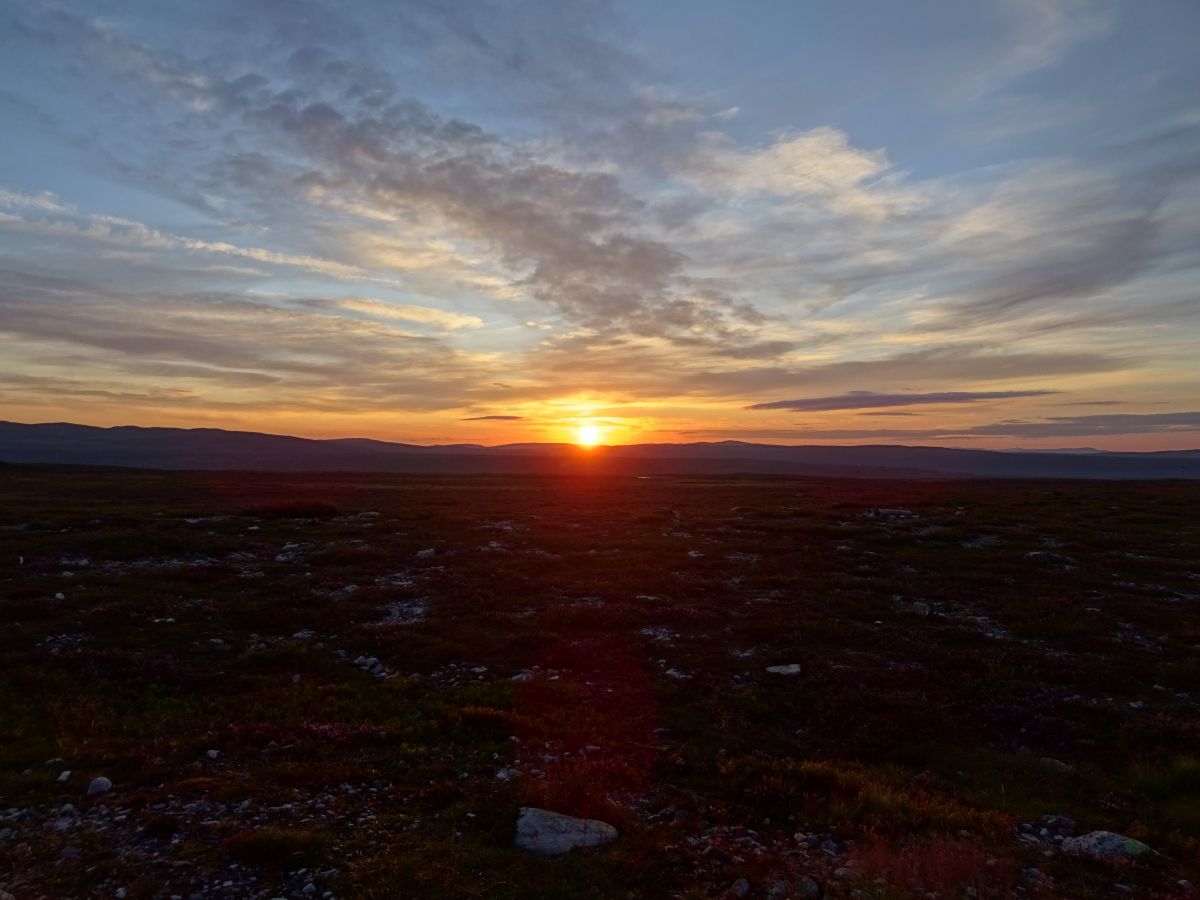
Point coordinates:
[(213, 754), (790, 669), (64, 777), (425, 554), (551, 834), (99, 785)]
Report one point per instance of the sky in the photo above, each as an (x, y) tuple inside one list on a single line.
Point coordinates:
[(441, 221)]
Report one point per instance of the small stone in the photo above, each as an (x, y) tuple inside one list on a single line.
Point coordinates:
[(922, 609), (213, 754), (64, 777), (99, 785), (60, 596), (789, 669), (1183, 884), (551, 834), (309, 889), (425, 554), (809, 888), (1105, 846), (739, 889)]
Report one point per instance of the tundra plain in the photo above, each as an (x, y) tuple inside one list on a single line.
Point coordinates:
[(348, 685)]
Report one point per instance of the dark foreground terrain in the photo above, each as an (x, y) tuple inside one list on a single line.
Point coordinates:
[(347, 686)]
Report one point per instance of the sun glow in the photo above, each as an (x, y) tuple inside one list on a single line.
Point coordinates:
[(587, 435)]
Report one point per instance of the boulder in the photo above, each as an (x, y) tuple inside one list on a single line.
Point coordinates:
[(551, 834), (1105, 846)]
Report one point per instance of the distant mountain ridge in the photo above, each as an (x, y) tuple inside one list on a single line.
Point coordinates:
[(63, 443)]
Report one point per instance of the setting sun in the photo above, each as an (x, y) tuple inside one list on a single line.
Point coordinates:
[(587, 435)]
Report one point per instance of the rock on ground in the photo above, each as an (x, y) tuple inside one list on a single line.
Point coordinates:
[(790, 669), (99, 785), (1105, 845), (551, 834)]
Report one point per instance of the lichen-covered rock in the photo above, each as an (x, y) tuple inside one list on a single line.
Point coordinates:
[(1105, 846), (551, 834)]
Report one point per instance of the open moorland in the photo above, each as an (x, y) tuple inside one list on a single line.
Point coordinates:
[(249, 685)]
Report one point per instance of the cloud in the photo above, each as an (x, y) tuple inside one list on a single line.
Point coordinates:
[(313, 360), (45, 201), (1051, 427), (871, 400), (66, 221), (818, 166), (1033, 34), (424, 315), (567, 236), (492, 418)]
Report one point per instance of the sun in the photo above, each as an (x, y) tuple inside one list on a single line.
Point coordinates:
[(587, 435)]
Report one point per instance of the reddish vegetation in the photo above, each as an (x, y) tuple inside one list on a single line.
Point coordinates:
[(386, 668)]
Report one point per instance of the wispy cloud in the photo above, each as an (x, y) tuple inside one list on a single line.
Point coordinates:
[(871, 399), (407, 312), (1183, 423)]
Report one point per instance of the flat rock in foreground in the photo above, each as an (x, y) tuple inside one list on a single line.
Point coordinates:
[(552, 834)]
